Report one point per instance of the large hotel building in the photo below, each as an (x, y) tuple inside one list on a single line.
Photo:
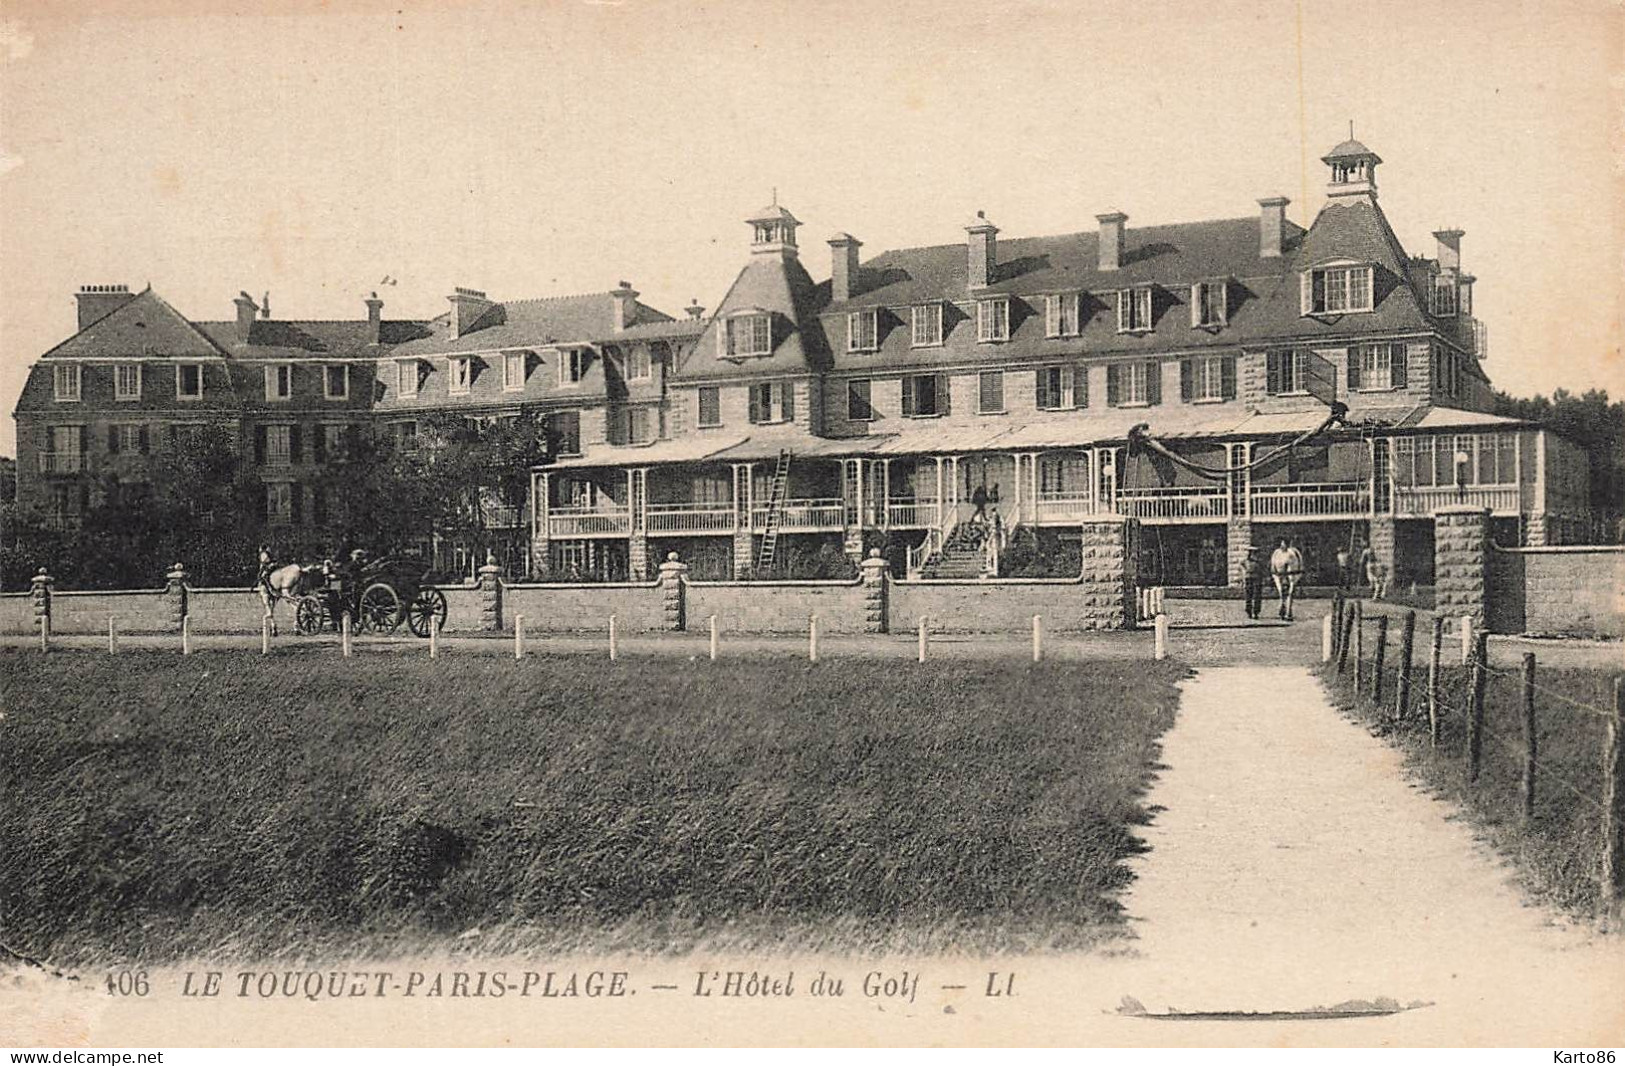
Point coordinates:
[(957, 405)]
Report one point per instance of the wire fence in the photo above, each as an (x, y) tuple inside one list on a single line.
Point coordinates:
[(1531, 748)]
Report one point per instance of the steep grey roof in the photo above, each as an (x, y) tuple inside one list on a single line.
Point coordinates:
[(146, 325), (530, 324)]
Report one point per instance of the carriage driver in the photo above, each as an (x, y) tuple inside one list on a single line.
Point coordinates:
[(266, 566)]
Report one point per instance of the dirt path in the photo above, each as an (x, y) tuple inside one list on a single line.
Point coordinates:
[(1293, 866)]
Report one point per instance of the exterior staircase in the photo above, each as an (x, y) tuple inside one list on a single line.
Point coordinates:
[(963, 557)]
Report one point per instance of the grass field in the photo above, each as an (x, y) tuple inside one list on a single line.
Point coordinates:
[(1558, 853), (228, 806)]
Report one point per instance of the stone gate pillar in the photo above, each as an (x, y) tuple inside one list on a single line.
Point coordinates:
[(876, 577), (490, 586), (673, 593), (40, 596), (1110, 546), (1461, 558), (175, 594)]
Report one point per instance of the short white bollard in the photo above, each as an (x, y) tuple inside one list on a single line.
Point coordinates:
[(1466, 640), (713, 638), (265, 636), (922, 638), (44, 634), (613, 650), (434, 638), (1038, 638), (1326, 639), (186, 635), (1161, 592), (1161, 626), (344, 634), (812, 639), (112, 636), (518, 636)]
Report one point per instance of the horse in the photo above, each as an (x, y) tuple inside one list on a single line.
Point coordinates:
[(287, 582), (1286, 568)]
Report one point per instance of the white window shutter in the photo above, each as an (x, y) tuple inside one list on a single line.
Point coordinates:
[(1124, 298), (722, 341), (1196, 304), (1306, 287), (1052, 316)]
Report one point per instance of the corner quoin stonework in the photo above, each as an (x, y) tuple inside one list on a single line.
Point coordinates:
[(1461, 558)]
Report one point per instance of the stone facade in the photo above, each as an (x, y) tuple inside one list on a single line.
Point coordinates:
[(637, 556), (1461, 545), (875, 574), (1383, 541), (1238, 535), (1538, 533), (1110, 547)]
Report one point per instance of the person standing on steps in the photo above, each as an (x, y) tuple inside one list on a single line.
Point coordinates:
[(978, 500), (1253, 582)]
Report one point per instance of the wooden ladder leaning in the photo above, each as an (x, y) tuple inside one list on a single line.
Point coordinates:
[(775, 504)]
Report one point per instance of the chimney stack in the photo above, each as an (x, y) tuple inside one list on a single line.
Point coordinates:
[(843, 269), (984, 252), (626, 302), (1111, 239), (1449, 248), (246, 309), (694, 310), (375, 318), (96, 302), (467, 305), (1271, 226), (265, 305)]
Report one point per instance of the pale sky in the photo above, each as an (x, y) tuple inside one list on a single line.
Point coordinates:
[(551, 148)]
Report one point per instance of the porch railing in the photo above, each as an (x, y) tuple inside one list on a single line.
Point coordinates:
[(1060, 506), (588, 521), (1172, 502), (1414, 500), (1311, 499), (691, 517), (820, 515), (905, 512)]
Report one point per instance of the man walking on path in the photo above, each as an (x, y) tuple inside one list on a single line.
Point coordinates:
[(1286, 567), (1253, 581)]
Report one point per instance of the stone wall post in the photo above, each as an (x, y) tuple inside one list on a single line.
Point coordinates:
[(1109, 546), (1384, 541), (490, 585), (175, 594), (744, 550), (1461, 557), (637, 557), (40, 596), (1238, 535), (1539, 533), (876, 576), (673, 594)]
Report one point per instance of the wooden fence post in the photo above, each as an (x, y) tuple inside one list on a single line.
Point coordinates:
[(1359, 645), (922, 638), (1613, 783), (812, 639), (344, 634), (1466, 640), (112, 636), (1475, 713), (614, 650), (1527, 792), (1433, 680), (186, 635), (713, 638), (1038, 638), (265, 635), (1407, 643), (1344, 641), (1328, 626), (1377, 661), (518, 636), (1160, 651)]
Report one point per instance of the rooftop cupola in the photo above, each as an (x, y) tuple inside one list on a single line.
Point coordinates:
[(773, 232), (1353, 170)]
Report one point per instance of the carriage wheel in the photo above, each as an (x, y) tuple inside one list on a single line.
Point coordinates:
[(427, 609), (308, 615), (380, 609)]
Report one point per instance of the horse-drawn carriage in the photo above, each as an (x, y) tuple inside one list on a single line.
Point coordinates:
[(379, 595)]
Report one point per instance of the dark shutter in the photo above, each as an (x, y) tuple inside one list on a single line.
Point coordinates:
[(909, 409), (755, 404), (112, 440), (293, 444), (789, 394), (1317, 299), (1153, 382), (296, 497), (1275, 371), (318, 446), (259, 445), (1227, 380), (1186, 372), (944, 395), (1397, 356), (141, 439), (1041, 390), (1113, 386), (1080, 386), (1354, 368)]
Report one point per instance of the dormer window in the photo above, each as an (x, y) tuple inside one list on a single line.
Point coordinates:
[(65, 382), (513, 371), (127, 381), (863, 331), (572, 366), (1210, 303), (927, 325), (1134, 310), (406, 379), (188, 381), (1444, 296), (746, 335), (1062, 317), (993, 320), (279, 382), (336, 381), (459, 375), (1336, 290)]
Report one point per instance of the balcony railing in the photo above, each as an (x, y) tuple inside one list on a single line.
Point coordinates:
[(1416, 500), (802, 516), (1311, 500), (1053, 508), (1174, 502), (588, 522), (690, 517), (61, 462), (905, 513)]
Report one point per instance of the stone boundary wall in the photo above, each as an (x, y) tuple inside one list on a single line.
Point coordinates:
[(1574, 591), (559, 608), (777, 607)]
